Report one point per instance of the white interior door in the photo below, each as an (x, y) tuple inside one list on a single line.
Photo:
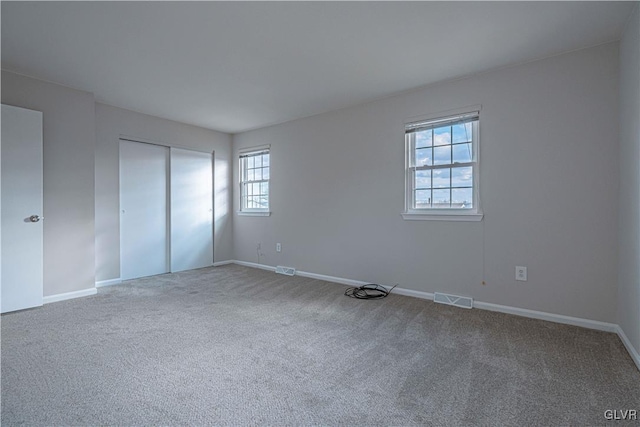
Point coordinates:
[(21, 277), (144, 244), (191, 210)]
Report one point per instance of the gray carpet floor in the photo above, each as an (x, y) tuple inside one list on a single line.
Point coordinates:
[(239, 346)]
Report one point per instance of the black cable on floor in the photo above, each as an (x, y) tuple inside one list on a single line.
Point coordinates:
[(370, 291)]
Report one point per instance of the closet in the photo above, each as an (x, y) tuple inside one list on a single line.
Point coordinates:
[(166, 209)]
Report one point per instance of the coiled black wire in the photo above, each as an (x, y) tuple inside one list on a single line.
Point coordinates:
[(369, 291)]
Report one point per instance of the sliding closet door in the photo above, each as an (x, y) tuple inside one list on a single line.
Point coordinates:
[(144, 244), (191, 210)]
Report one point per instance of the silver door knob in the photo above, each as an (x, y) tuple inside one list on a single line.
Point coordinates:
[(34, 218)]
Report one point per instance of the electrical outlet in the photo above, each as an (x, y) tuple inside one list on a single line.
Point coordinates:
[(521, 273), (278, 247)]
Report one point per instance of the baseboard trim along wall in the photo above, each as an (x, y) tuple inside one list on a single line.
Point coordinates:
[(69, 295), (219, 263), (109, 282), (533, 314), (340, 280), (351, 282), (632, 351), (551, 317), (254, 265)]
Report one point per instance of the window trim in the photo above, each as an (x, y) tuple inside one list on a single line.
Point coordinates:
[(454, 214), (253, 211)]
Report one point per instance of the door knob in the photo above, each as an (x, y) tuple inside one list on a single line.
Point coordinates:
[(35, 218)]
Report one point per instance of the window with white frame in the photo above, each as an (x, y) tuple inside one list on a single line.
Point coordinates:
[(254, 181), (442, 167)]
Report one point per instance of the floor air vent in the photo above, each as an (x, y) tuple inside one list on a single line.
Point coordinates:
[(287, 271), (464, 302)]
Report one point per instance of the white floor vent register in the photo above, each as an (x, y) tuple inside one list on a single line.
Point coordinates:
[(287, 271), (464, 302)]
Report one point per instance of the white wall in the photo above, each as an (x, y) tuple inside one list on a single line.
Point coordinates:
[(549, 184), (68, 173), (629, 212), (111, 123)]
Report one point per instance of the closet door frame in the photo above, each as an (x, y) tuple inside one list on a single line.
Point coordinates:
[(134, 139)]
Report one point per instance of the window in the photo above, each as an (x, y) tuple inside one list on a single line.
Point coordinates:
[(254, 181), (442, 168)]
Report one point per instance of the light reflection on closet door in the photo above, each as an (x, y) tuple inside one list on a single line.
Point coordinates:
[(191, 210)]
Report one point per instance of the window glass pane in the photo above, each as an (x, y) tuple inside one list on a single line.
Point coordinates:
[(423, 157), (442, 166), (424, 138), (462, 153), (422, 199), (442, 136), (423, 179), (245, 166), (254, 194), (441, 178), (462, 132), (462, 198), (442, 155), (441, 198), (462, 177)]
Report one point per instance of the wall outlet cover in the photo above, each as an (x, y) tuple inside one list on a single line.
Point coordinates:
[(521, 274)]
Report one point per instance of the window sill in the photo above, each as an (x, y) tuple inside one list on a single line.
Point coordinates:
[(257, 213), (442, 216)]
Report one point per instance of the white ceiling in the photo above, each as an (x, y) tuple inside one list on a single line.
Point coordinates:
[(235, 66)]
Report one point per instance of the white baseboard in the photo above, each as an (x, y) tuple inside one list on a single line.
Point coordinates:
[(109, 282), (412, 293), (69, 295), (219, 263), (351, 282), (340, 280), (551, 317), (343, 281), (632, 351), (254, 265)]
